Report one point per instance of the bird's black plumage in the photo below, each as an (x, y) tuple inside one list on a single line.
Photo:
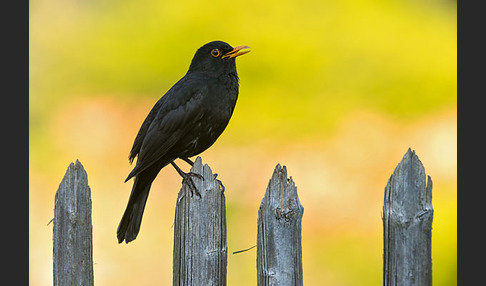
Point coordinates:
[(183, 123)]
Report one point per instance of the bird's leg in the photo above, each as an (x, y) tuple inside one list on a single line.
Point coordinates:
[(188, 161), (187, 177)]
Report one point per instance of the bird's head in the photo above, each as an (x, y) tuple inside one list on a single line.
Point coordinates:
[(217, 56)]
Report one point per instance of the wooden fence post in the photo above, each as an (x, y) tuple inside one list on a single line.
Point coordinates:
[(200, 246), (407, 225), (279, 248), (73, 247)]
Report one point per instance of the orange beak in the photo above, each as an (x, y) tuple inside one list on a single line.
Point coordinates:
[(236, 51)]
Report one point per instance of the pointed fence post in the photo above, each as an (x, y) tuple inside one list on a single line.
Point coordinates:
[(73, 246), (279, 248), (407, 225), (200, 246)]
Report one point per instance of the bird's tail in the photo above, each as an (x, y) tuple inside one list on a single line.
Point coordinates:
[(132, 217)]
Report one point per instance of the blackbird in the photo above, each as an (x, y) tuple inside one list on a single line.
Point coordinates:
[(183, 123)]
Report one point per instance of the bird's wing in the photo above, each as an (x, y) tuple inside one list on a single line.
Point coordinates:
[(174, 117), (137, 143)]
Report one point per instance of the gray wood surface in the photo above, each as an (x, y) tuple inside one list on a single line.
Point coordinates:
[(407, 225), (73, 246), (279, 249), (200, 246)]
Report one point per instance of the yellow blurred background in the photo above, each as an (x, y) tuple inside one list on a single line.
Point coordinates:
[(335, 90)]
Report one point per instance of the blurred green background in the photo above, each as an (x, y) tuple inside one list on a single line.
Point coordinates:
[(335, 90)]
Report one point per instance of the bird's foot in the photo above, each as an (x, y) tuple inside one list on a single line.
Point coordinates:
[(220, 183), (187, 178)]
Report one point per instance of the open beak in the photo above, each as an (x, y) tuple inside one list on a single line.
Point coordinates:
[(236, 51)]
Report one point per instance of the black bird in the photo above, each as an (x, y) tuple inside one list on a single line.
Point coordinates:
[(183, 123)]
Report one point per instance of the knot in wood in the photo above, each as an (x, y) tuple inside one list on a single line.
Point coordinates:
[(284, 213)]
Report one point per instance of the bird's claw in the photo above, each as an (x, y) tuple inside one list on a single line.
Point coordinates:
[(187, 178), (220, 183)]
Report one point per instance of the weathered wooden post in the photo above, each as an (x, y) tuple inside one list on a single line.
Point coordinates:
[(200, 246), (73, 246), (407, 225), (279, 248)]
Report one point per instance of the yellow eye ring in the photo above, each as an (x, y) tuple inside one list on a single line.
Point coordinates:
[(215, 53)]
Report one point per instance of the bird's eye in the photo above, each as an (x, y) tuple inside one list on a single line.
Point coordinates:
[(215, 53)]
